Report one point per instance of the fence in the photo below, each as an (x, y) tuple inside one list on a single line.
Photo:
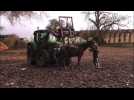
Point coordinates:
[(126, 36)]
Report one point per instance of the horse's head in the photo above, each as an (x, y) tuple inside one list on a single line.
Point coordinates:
[(91, 43)]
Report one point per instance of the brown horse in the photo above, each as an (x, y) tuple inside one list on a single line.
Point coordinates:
[(78, 50)]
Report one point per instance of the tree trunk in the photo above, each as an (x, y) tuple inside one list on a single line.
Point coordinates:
[(119, 37), (110, 36), (130, 34), (114, 38), (124, 37)]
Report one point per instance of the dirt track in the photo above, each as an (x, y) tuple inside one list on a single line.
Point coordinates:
[(117, 71)]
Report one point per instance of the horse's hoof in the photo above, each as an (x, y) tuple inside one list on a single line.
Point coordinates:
[(98, 67)]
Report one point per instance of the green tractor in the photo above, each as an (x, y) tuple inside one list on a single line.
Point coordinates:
[(46, 48), (49, 47)]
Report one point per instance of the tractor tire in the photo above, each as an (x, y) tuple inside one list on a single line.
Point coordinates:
[(42, 58), (30, 56)]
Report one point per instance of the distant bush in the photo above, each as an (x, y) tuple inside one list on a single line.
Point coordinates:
[(10, 41), (20, 43), (14, 42)]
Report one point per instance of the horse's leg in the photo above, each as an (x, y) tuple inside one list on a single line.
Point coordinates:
[(79, 59)]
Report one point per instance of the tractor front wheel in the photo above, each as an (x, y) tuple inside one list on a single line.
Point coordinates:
[(42, 58)]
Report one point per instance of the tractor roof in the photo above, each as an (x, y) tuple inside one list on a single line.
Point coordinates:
[(41, 31)]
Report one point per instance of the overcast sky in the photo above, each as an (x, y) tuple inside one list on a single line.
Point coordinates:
[(27, 26)]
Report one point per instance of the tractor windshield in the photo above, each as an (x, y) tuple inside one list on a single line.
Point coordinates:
[(43, 34), (39, 35), (46, 36), (52, 38)]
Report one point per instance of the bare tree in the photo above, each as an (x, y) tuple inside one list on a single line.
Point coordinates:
[(1, 29), (103, 20), (53, 25), (13, 16)]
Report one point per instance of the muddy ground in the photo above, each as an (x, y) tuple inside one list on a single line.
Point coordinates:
[(117, 71)]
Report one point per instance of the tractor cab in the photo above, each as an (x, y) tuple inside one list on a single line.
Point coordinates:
[(44, 36), (40, 34), (46, 39)]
